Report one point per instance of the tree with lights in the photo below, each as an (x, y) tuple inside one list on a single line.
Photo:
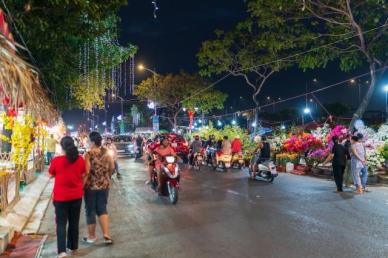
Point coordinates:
[(355, 32), (173, 92)]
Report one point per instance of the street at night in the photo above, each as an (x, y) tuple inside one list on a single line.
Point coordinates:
[(203, 129), (228, 215)]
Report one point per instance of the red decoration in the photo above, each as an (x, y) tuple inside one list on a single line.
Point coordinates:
[(191, 117), (6, 101), (11, 112)]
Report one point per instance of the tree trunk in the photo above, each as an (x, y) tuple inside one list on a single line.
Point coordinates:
[(365, 101)]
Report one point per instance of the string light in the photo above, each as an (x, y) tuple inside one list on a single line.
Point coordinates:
[(156, 8)]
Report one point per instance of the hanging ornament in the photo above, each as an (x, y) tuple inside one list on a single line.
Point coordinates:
[(156, 8), (11, 112)]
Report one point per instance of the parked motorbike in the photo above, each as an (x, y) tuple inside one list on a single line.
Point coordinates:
[(266, 170), (224, 161), (237, 160), (170, 179)]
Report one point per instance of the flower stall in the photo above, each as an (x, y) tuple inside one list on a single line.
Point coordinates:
[(24, 106)]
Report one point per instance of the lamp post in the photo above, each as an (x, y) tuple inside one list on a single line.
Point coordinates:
[(386, 102), (143, 68)]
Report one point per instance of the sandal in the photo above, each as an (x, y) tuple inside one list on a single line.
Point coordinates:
[(108, 240)]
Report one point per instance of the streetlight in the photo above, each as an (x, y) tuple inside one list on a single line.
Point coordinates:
[(141, 67), (70, 127), (386, 101), (306, 110), (234, 122)]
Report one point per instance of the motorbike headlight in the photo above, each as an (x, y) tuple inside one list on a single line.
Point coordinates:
[(170, 159)]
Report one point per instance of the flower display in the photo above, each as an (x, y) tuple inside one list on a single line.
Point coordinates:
[(322, 133), (302, 143), (340, 131), (283, 158)]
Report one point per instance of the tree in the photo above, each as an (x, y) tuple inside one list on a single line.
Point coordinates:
[(356, 33), (54, 31), (173, 92), (254, 50)]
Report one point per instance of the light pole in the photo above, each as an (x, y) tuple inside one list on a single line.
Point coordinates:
[(386, 102), (143, 68)]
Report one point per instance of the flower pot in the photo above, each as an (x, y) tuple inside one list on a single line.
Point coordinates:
[(281, 169), (316, 171)]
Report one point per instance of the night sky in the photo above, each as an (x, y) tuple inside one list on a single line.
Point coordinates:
[(170, 43)]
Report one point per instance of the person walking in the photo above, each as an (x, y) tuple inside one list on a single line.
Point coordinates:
[(99, 169), (51, 148), (339, 163), (69, 171), (357, 162)]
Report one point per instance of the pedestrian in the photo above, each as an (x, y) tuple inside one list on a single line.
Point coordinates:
[(69, 171), (51, 148), (112, 151), (357, 162), (139, 151), (348, 172), (99, 168), (339, 156), (364, 170)]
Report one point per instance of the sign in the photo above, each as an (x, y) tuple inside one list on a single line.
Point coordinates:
[(155, 123)]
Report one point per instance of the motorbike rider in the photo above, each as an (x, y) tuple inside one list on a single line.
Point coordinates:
[(162, 151), (112, 150), (226, 146), (195, 147), (209, 146), (236, 145), (265, 152)]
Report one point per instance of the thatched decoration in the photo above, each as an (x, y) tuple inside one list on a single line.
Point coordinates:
[(19, 82)]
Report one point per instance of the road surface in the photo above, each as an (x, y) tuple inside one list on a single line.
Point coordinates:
[(227, 215)]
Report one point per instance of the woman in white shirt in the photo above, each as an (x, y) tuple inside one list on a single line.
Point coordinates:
[(357, 162)]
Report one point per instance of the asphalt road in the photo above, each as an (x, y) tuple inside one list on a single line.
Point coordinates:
[(227, 215)]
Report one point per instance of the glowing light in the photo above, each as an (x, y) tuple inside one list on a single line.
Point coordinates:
[(283, 127), (104, 123), (219, 123), (196, 109), (352, 81), (234, 122), (140, 67), (119, 118), (70, 127), (151, 105), (254, 124), (386, 88), (184, 109), (200, 121), (306, 110)]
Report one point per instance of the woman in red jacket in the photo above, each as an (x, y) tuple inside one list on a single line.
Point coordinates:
[(69, 171)]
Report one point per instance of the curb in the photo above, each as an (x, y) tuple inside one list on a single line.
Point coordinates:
[(18, 216)]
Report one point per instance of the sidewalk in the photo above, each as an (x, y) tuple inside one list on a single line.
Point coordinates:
[(18, 216)]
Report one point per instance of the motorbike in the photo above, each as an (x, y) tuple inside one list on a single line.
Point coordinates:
[(198, 160), (237, 160), (170, 178), (266, 170), (224, 161), (211, 156)]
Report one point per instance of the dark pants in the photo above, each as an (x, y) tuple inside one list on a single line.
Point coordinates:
[(95, 204), (67, 213), (338, 172)]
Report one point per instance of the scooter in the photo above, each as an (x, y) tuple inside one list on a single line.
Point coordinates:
[(211, 156), (170, 179), (237, 160), (224, 161), (198, 160), (266, 170)]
